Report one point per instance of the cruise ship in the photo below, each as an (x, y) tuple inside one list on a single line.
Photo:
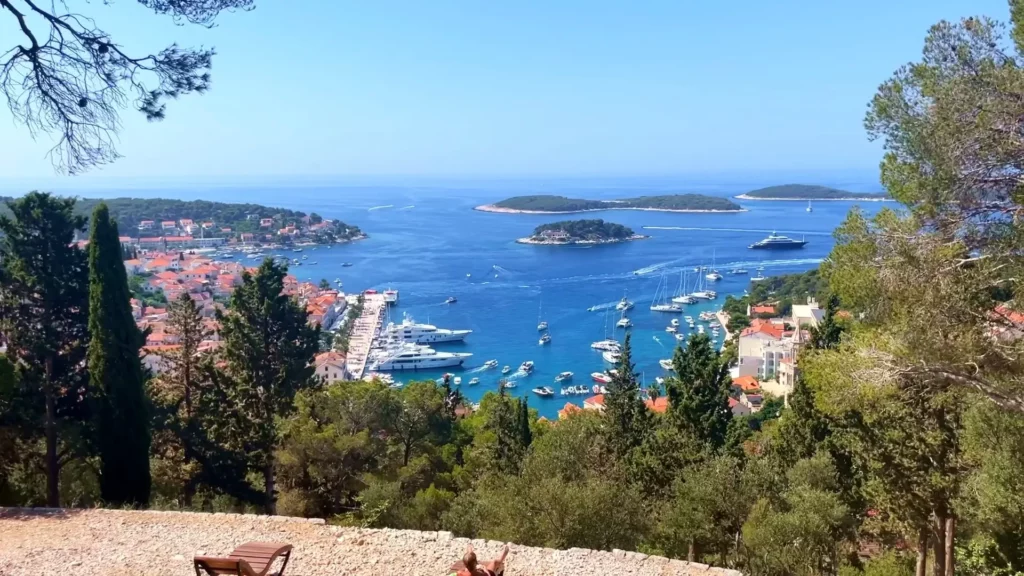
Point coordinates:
[(414, 357), (776, 242), (410, 331)]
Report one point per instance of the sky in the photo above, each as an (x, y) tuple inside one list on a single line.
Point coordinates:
[(321, 88)]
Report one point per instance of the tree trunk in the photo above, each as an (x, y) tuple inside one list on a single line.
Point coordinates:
[(691, 551), (52, 463), (268, 479), (950, 541), (939, 545), (922, 553)]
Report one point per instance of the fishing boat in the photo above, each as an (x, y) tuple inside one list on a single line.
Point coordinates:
[(544, 339), (526, 366), (600, 377), (562, 377), (544, 391), (491, 364), (506, 369), (474, 381)]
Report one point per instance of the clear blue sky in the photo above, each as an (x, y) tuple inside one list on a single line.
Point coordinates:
[(510, 88)]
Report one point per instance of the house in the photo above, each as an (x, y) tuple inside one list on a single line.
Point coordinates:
[(133, 267), (266, 222), (760, 309), (330, 366), (746, 384), (752, 401), (186, 223), (207, 225), (162, 264), (555, 235), (226, 230), (146, 225), (568, 410), (155, 357), (659, 404), (168, 225), (737, 408), (594, 403), (247, 236), (807, 314), (761, 347)]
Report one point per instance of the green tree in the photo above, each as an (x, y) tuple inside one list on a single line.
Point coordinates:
[(269, 348), (827, 334), (115, 371), (324, 284), (43, 317), (699, 392), (628, 418)]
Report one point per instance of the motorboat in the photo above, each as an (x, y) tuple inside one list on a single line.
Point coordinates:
[(624, 323), (680, 337), (544, 391), (704, 294), (665, 363), (612, 345), (674, 322), (673, 308), (474, 381), (611, 357), (346, 264), (738, 271), (458, 380), (600, 377), (624, 304), (507, 384), (777, 242), (491, 364), (410, 331), (706, 316), (713, 276), (689, 319), (700, 329), (542, 326), (562, 377), (407, 356), (671, 329), (526, 366), (506, 369), (451, 300), (544, 339)]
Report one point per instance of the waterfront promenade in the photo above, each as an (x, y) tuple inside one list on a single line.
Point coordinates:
[(365, 331)]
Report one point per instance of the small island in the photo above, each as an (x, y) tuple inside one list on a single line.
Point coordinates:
[(570, 232), (550, 204), (810, 192)]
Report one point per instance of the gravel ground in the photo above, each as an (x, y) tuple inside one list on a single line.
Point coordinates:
[(41, 542)]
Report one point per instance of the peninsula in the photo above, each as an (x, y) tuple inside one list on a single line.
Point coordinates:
[(550, 204), (571, 232), (809, 192)]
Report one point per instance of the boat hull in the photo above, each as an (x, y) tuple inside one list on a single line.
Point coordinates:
[(795, 245), (420, 364)]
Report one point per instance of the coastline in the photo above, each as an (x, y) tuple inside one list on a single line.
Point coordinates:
[(500, 210), (855, 199), (531, 240)]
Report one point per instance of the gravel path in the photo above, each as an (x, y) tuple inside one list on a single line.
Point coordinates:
[(98, 542)]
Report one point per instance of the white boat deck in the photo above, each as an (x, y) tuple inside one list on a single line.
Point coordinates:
[(364, 332)]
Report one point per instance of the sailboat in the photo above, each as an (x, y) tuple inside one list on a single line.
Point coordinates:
[(664, 305), (713, 275), (608, 343), (681, 296), (809, 209), (701, 292), (541, 324)]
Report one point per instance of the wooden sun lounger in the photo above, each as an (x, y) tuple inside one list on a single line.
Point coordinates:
[(249, 559)]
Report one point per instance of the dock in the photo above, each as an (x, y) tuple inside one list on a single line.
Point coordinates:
[(365, 331), (723, 319)]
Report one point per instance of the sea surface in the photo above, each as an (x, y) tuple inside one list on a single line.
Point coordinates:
[(430, 244)]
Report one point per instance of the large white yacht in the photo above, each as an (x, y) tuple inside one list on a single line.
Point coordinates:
[(410, 331), (607, 344), (414, 357)]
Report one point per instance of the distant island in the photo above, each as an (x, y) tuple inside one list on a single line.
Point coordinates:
[(549, 204), (809, 192), (151, 218), (571, 232)]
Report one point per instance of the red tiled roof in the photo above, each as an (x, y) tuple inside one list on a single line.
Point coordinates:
[(659, 404), (762, 309), (746, 383), (568, 410)]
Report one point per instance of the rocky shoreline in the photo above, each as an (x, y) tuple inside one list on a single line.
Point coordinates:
[(854, 199), (544, 242), (500, 210)]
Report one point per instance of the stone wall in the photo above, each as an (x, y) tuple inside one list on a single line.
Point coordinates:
[(99, 542)]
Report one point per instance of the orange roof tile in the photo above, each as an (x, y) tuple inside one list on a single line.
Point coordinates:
[(746, 383)]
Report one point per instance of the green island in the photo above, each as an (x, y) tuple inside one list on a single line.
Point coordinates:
[(144, 217), (809, 192), (580, 232), (551, 204)]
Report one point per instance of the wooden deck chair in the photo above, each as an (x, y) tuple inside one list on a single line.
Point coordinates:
[(249, 559)]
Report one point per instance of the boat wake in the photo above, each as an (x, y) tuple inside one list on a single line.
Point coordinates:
[(497, 268), (476, 370), (605, 306), (698, 229), (380, 207), (410, 207), (656, 339)]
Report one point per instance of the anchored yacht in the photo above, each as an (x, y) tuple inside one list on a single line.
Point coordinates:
[(410, 331), (778, 242), (607, 345), (414, 357)]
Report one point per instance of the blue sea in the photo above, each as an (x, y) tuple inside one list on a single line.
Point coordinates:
[(430, 244)]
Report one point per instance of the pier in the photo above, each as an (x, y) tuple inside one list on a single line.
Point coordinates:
[(365, 331)]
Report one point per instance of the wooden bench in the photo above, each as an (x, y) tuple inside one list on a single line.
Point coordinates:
[(249, 559)]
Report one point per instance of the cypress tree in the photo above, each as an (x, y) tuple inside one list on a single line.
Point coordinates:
[(699, 393), (115, 370), (525, 433), (623, 406), (827, 334)]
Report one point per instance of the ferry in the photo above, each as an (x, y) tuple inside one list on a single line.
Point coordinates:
[(777, 242)]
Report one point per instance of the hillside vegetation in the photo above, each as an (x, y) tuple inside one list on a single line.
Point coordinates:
[(591, 230), (551, 203), (810, 192)]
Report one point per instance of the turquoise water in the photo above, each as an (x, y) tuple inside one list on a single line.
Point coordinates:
[(429, 244)]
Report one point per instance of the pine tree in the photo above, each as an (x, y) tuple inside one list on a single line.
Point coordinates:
[(629, 418), (43, 315), (699, 392), (269, 348), (827, 334), (115, 370)]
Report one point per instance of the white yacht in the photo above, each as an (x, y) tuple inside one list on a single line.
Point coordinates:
[(474, 381), (684, 299), (624, 304), (491, 364), (674, 322), (562, 377), (611, 357), (506, 369), (607, 345), (458, 380), (410, 331), (545, 391), (713, 276), (705, 294), (624, 323), (546, 338), (665, 363), (526, 366), (414, 357), (542, 326), (671, 329), (391, 296), (758, 277)]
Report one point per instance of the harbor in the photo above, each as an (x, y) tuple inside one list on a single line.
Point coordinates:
[(365, 333)]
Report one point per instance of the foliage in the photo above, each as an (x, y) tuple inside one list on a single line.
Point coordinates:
[(810, 192), (698, 393), (549, 203), (43, 315), (629, 419), (63, 75), (590, 230), (115, 371)]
